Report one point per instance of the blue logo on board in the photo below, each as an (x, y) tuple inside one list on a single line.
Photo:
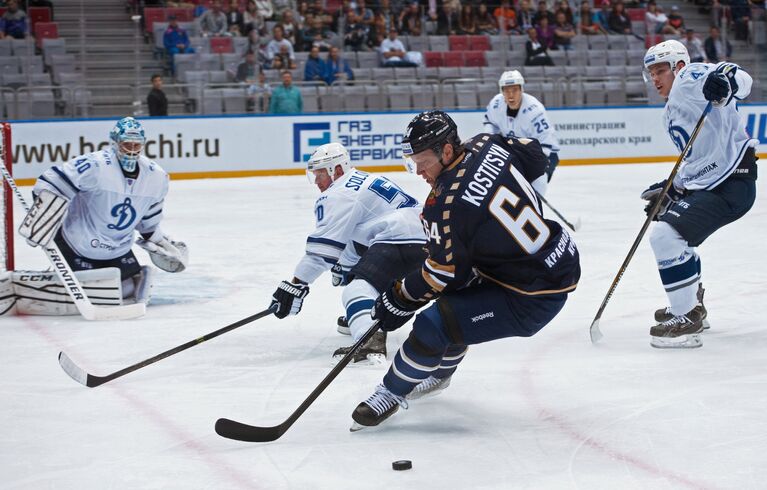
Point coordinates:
[(307, 137)]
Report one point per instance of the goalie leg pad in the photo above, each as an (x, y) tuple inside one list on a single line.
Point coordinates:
[(41, 293), (44, 218), (7, 295), (138, 289)]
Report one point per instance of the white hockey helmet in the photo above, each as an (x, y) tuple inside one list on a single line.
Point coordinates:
[(671, 52), (512, 77), (327, 157)]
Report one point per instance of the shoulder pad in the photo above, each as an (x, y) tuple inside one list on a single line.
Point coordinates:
[(476, 143)]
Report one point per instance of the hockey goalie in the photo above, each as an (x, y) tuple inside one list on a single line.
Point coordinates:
[(91, 207)]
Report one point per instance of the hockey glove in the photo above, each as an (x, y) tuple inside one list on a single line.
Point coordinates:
[(720, 85), (341, 275), (288, 298), (392, 310), (44, 218), (653, 193), (166, 253)]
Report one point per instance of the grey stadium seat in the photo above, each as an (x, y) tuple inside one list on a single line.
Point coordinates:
[(399, 97), (375, 100), (354, 98), (423, 96), (466, 96), (594, 93), (310, 98), (235, 100), (330, 99), (212, 101)]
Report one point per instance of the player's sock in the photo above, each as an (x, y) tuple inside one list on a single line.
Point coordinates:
[(378, 407), (677, 266), (359, 298)]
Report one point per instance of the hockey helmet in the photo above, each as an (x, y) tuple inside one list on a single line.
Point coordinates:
[(671, 52), (512, 77), (127, 139), (327, 157), (430, 130)]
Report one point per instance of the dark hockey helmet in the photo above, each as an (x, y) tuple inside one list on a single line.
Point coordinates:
[(430, 130)]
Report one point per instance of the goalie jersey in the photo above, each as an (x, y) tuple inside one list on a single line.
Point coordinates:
[(723, 139), (529, 122), (485, 220), (358, 210), (105, 207)]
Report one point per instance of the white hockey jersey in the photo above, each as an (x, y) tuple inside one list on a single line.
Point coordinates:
[(530, 122), (105, 207), (722, 141), (360, 208)]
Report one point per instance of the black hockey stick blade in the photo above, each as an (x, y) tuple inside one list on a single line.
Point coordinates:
[(91, 381), (238, 431)]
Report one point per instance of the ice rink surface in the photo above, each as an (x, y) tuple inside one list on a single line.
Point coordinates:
[(548, 412)]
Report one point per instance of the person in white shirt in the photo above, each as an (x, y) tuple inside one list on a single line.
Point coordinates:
[(694, 46), (394, 54)]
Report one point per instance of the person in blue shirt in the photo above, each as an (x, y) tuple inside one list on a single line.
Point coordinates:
[(315, 69), (337, 68), (15, 21), (286, 99), (176, 40)]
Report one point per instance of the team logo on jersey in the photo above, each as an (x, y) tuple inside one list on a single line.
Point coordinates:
[(678, 135), (125, 214), (307, 137)]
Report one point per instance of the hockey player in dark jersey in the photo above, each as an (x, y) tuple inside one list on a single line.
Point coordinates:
[(496, 268)]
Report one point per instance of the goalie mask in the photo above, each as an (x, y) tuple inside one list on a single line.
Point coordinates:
[(328, 157), (127, 140)]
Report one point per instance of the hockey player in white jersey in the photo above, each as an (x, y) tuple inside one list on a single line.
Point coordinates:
[(368, 234), (715, 185), (92, 205), (516, 113)]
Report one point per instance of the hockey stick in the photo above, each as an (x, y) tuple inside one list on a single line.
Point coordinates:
[(91, 381), (575, 227), (250, 433), (594, 331), (70, 281)]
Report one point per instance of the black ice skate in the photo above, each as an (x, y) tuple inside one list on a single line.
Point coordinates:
[(380, 406), (664, 314), (679, 332), (431, 386), (373, 353), (343, 326)]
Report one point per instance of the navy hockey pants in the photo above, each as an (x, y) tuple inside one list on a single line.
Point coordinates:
[(128, 264), (442, 332)]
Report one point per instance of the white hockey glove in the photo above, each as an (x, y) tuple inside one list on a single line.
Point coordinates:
[(44, 218), (653, 193), (288, 298), (340, 275), (167, 254)]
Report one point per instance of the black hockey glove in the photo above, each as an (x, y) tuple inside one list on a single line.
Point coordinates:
[(392, 310), (653, 193), (720, 84), (288, 298)]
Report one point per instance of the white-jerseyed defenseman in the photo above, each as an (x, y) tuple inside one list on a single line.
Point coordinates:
[(514, 113), (715, 185), (368, 234), (91, 206)]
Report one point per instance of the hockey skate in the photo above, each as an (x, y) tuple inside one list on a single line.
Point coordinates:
[(679, 332), (431, 386), (343, 326), (380, 406), (664, 314), (373, 353)]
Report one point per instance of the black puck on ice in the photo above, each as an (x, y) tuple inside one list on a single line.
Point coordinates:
[(402, 465)]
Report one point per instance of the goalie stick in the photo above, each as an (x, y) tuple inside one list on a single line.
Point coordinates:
[(91, 381), (70, 281), (249, 433), (594, 331), (574, 227)]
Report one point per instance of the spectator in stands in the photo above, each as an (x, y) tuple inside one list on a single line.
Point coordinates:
[(364, 14), (545, 33), (618, 22), (467, 22), (740, 11), (447, 20), (587, 21), (674, 23), (564, 31), (410, 20), (176, 41), (15, 21), (283, 6), (537, 54), (355, 32), (252, 20), (256, 46), (564, 6), (235, 20), (694, 46), (248, 70), (603, 16), (317, 35), (265, 9), (542, 13), (284, 60), (314, 69), (394, 54), (716, 49), (486, 23), (337, 69), (277, 45), (654, 19), (379, 29), (290, 29), (525, 15), (286, 99), (156, 99), (258, 94), (213, 22)]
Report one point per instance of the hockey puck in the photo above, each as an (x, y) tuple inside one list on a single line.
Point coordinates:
[(402, 465)]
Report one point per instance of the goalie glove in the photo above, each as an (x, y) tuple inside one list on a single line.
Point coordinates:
[(653, 193), (288, 298), (167, 254), (44, 218), (340, 275)]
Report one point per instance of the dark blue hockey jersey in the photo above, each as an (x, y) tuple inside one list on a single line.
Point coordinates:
[(484, 218)]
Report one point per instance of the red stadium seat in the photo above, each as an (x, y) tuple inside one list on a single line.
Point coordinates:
[(38, 14), (474, 58), (652, 39), (182, 14), (433, 59), (453, 58), (2, 11), (479, 43), (221, 45), (458, 43), (332, 6), (45, 30), (152, 15), (636, 14)]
